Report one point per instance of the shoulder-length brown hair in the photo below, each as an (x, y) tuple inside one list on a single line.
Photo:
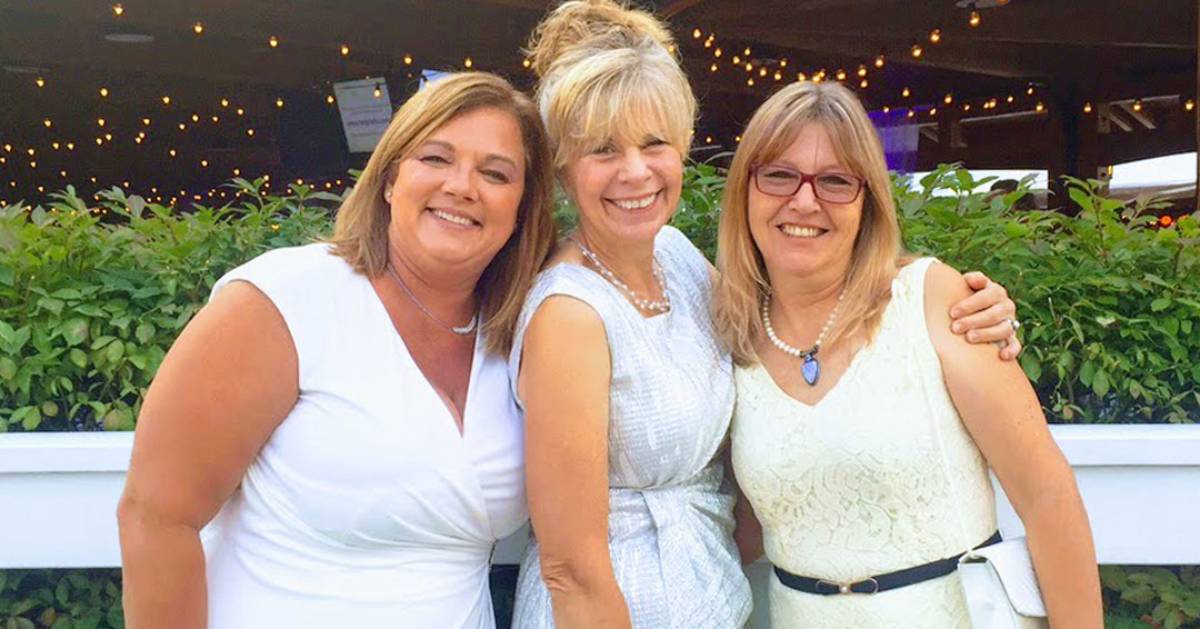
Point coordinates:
[(744, 282), (360, 233)]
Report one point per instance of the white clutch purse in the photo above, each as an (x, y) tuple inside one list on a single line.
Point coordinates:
[(1001, 589)]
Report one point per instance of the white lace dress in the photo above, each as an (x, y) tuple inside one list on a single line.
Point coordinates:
[(862, 483), (671, 395)]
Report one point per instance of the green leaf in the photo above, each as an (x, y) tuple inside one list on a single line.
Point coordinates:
[(8, 368), (114, 351), (62, 594), (138, 360), (145, 332), (53, 305), (1013, 229), (78, 357), (32, 419), (75, 331), (1160, 304), (1031, 365), (1100, 383)]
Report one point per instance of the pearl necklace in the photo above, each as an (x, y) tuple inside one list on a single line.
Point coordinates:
[(652, 305), (811, 368), (461, 330)]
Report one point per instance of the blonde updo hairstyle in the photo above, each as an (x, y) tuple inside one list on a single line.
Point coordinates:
[(360, 233), (608, 72), (877, 249)]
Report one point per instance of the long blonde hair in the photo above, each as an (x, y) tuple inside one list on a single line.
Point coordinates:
[(360, 232), (744, 282), (606, 70)]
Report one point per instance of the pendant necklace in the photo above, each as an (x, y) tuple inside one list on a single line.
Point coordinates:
[(811, 368), (461, 330)]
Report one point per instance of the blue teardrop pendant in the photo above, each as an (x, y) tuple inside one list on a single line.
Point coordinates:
[(811, 369)]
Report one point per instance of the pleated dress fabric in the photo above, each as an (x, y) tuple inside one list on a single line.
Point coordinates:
[(879, 475), (671, 395), (366, 507)]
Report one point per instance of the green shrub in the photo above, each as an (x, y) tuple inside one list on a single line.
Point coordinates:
[(1110, 303), (61, 599), (89, 305), (1140, 597), (91, 298)]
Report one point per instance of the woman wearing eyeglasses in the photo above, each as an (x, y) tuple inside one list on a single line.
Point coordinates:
[(864, 430)]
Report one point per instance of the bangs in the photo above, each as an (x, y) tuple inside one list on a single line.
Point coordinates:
[(825, 112), (627, 108)]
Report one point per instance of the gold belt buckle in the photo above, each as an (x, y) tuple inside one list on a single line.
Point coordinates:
[(848, 587)]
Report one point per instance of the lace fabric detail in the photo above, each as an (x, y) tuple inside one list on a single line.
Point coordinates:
[(670, 401), (861, 483)]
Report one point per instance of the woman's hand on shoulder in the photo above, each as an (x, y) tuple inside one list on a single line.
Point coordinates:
[(985, 315)]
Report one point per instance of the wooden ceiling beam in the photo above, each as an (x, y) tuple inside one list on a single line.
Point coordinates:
[(1140, 116)]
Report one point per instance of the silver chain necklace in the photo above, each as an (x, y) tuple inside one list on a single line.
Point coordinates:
[(461, 330), (811, 368), (652, 305)]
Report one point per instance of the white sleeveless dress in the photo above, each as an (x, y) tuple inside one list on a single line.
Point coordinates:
[(365, 508), (670, 517), (861, 483)]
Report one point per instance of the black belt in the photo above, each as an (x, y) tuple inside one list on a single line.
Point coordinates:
[(879, 582)]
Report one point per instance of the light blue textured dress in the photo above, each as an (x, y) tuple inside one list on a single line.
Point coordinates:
[(671, 397)]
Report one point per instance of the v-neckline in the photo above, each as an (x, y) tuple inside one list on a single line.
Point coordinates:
[(445, 404), (854, 360)]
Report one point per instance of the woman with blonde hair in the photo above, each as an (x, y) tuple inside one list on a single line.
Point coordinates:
[(339, 415), (864, 430), (626, 389)]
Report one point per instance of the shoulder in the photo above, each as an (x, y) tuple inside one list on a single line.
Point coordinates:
[(563, 315), (944, 285), (317, 257), (674, 243), (560, 333), (677, 252), (565, 278), (300, 269), (568, 296)]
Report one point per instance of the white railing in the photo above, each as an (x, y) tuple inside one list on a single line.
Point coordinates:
[(1141, 484)]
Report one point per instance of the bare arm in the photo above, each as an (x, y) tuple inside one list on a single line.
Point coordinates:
[(564, 381), (228, 381), (1001, 411)]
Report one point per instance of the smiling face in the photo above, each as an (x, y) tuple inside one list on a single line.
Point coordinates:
[(455, 198), (801, 234), (625, 192)]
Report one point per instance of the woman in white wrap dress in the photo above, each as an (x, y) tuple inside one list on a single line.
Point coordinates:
[(345, 406)]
